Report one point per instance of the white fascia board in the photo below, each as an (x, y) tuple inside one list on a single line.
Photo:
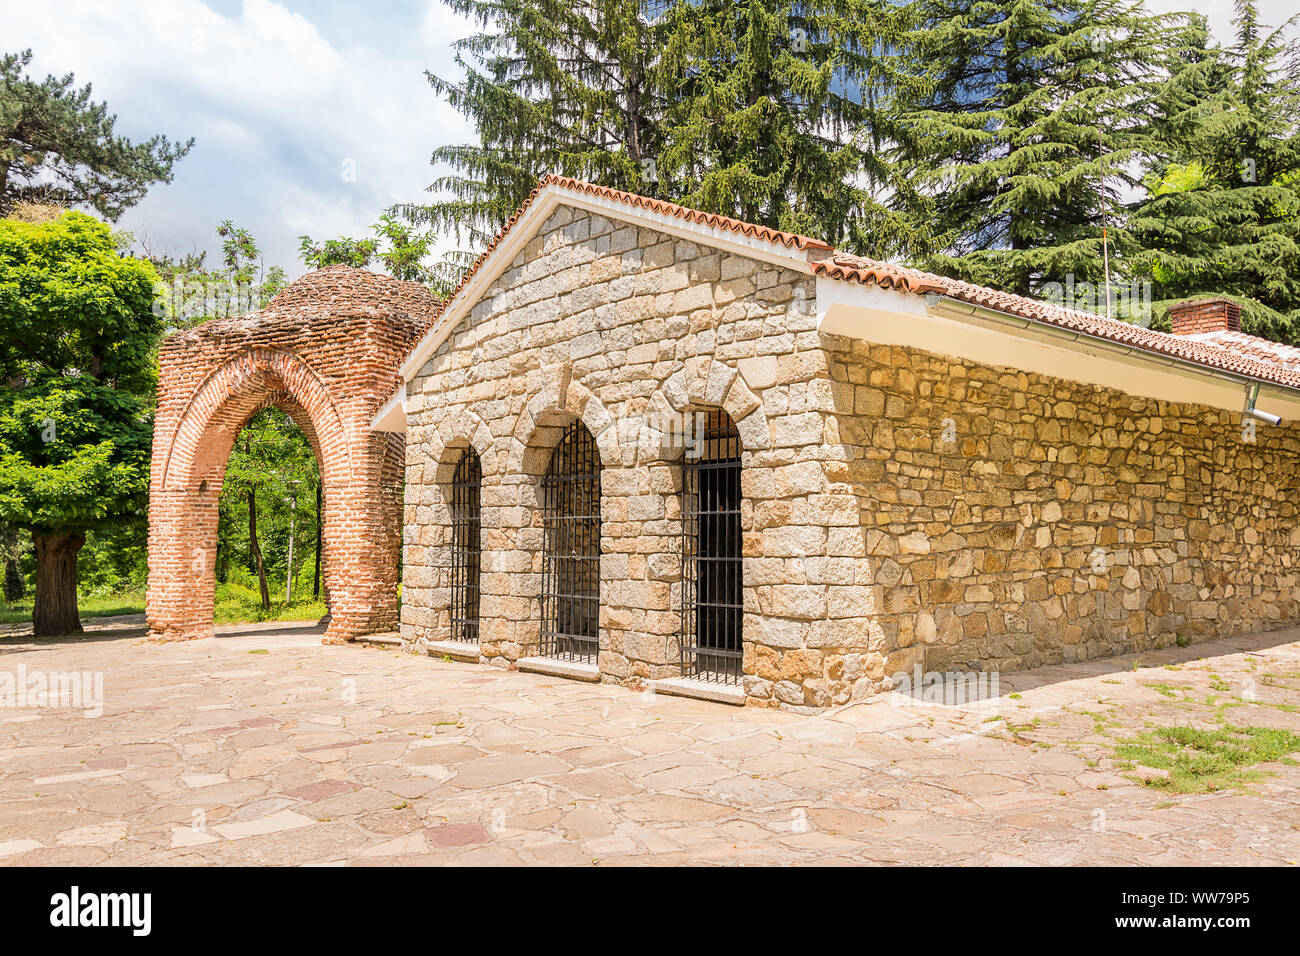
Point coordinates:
[(944, 327), (391, 416), (537, 213)]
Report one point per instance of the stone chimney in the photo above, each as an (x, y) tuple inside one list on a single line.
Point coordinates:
[(1205, 315)]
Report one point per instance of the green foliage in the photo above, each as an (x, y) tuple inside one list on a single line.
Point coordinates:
[(774, 114), (73, 454), (189, 293), (403, 250), (77, 355), (1027, 121), (334, 252), (238, 600), (1221, 213), (113, 561), (273, 458), (1201, 761), (59, 146), (766, 110), (72, 305), (398, 247)]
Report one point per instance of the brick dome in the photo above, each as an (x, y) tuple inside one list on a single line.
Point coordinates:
[(344, 289)]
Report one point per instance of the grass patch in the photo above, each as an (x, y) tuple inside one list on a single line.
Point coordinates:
[(102, 606), (238, 604), (1202, 761)]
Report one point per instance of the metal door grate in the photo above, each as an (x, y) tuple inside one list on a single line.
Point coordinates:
[(466, 490), (571, 524), (712, 583)]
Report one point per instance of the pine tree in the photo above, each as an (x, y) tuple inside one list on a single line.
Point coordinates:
[(764, 110), (778, 115), (1025, 121), (59, 146), (1221, 214), (555, 87)]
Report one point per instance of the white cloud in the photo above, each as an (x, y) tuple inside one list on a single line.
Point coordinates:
[(275, 106), (1218, 13)]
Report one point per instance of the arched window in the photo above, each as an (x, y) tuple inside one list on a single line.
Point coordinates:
[(712, 583), (571, 524), (466, 490)]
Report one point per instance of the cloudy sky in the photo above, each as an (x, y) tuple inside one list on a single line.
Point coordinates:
[(310, 117)]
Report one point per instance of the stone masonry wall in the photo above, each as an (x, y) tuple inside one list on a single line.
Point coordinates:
[(1013, 520), (614, 325)]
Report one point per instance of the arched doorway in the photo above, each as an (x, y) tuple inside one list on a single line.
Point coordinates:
[(712, 556), (571, 569), (325, 352)]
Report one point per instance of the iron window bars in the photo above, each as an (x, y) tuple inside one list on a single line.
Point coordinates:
[(712, 585), (466, 488), (571, 526)]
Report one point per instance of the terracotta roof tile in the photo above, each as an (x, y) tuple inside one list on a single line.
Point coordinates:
[(1274, 353), (1233, 357), (788, 239), (1247, 355)]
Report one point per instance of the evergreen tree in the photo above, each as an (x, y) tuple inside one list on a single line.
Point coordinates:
[(1221, 214), (1026, 121), (777, 115), (552, 86), (764, 110), (59, 146)]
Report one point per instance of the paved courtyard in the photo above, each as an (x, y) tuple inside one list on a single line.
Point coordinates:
[(261, 746)]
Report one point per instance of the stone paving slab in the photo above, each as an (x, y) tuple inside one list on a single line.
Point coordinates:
[(262, 746)]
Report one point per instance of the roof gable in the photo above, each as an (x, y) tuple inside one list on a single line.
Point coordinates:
[(732, 235)]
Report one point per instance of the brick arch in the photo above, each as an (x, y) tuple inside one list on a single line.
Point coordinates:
[(237, 390), (326, 352)]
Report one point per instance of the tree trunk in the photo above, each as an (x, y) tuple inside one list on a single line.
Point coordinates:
[(257, 549), (56, 583), (320, 520)]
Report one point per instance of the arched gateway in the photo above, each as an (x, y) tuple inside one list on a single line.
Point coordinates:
[(326, 352)]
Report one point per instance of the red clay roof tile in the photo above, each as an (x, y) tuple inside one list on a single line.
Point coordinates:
[(1234, 357)]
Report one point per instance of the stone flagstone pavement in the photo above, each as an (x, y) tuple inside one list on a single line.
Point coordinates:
[(261, 746)]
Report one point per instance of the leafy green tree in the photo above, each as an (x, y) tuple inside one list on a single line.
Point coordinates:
[(1221, 210), (398, 246), (190, 293), (59, 146), (402, 249), (767, 110), (271, 464), (357, 253), (77, 339), (1026, 120)]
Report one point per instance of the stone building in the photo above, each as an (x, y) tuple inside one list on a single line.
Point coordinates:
[(644, 443)]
